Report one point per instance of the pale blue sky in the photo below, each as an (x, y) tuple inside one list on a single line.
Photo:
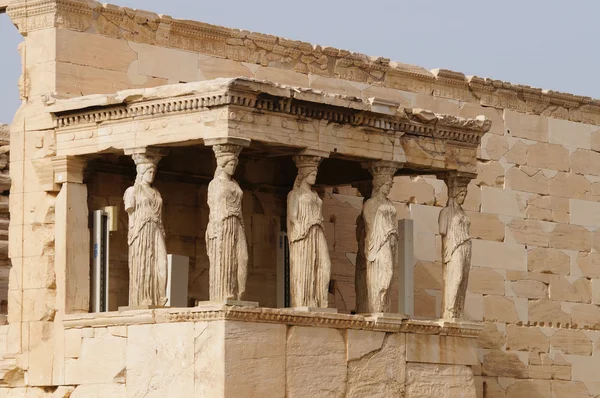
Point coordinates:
[(542, 43)]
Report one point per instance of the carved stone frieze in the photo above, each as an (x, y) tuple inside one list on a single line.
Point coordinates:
[(244, 92)]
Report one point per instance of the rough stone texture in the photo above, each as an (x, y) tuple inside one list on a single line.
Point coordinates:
[(380, 372), (101, 359), (158, 366), (316, 363), (446, 381)]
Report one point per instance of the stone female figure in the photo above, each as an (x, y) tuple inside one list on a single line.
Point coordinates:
[(456, 249), (380, 242), (146, 237), (225, 236), (310, 266)]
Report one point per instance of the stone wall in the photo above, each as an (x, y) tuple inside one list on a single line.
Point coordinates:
[(534, 207), (255, 353)]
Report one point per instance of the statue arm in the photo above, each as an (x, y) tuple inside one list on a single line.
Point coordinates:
[(129, 199), (292, 214), (443, 221)]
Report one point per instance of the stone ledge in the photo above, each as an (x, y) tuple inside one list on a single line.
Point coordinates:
[(273, 315)]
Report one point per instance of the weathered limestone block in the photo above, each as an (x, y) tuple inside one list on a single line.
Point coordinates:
[(548, 156), (501, 309), (569, 389), (209, 347), (548, 208), (435, 349), (316, 363), (586, 315), (517, 154), (100, 391), (493, 336), (585, 162), (253, 350), (486, 226), (595, 291), (571, 341), (427, 275), (528, 232), (503, 364), (524, 338), (378, 372), (503, 202), (486, 281), (499, 255), (529, 289), (570, 289), (570, 237), (569, 185), (444, 381), (570, 134), (527, 126), (490, 174), (160, 360), (412, 190), (529, 389), (495, 146), (547, 311), (101, 359), (585, 212), (548, 261), (527, 179)]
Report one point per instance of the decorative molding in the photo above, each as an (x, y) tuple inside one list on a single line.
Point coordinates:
[(246, 93), (385, 323)]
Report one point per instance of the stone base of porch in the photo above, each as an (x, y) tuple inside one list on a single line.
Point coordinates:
[(261, 352)]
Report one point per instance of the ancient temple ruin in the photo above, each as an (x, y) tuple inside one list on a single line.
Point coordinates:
[(198, 211)]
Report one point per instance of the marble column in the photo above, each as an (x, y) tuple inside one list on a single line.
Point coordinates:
[(146, 234), (456, 247), (377, 233), (310, 264), (225, 235), (72, 236)]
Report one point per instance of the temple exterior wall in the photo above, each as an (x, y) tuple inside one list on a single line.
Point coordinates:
[(535, 206)]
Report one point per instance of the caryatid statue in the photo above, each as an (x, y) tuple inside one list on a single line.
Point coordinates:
[(456, 248), (310, 265), (146, 235), (379, 242), (225, 235)]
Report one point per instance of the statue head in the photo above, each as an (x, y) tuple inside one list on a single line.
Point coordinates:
[(457, 189), (307, 169), (227, 158), (383, 179), (145, 167)]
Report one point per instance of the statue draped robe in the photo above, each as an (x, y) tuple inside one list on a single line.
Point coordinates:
[(381, 238), (226, 241), (310, 265), (147, 249), (456, 257)]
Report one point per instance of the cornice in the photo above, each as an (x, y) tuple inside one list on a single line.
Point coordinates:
[(392, 324), (264, 96)]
